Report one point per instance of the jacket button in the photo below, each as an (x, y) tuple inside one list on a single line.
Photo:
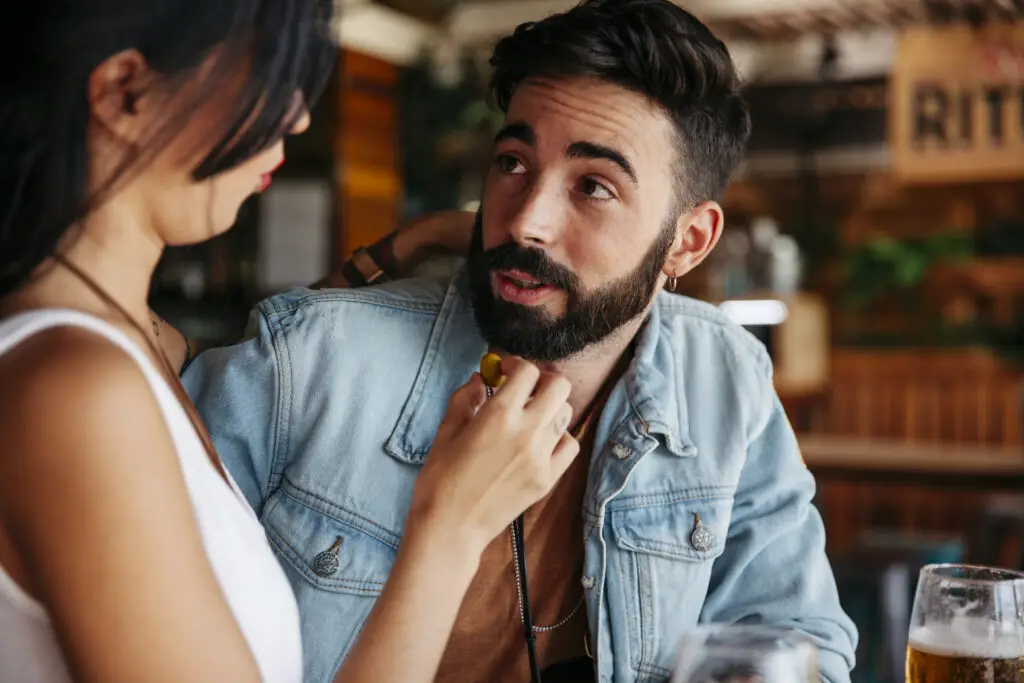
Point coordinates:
[(588, 582), (326, 563), (701, 538)]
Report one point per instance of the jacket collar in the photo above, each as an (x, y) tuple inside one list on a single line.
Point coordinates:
[(654, 381), (453, 354), (456, 346)]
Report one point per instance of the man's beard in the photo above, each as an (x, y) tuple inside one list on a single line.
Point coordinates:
[(590, 315)]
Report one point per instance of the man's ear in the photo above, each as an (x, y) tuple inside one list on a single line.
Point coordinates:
[(697, 232)]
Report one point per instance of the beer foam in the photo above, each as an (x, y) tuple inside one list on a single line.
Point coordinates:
[(970, 637)]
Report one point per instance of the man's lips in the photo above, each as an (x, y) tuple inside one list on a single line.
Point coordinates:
[(518, 287)]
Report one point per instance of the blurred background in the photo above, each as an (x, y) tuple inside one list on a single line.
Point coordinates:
[(874, 243)]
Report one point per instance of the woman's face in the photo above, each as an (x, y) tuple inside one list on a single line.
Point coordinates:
[(162, 194)]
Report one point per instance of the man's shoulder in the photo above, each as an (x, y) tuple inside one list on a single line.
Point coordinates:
[(416, 295), (412, 302), (702, 330)]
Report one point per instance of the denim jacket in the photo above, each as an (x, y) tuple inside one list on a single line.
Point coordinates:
[(324, 414)]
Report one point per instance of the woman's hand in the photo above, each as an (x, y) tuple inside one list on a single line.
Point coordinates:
[(398, 254), (491, 460), (494, 458)]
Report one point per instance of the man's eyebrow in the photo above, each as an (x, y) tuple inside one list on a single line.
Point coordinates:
[(517, 131), (590, 150), (577, 150)]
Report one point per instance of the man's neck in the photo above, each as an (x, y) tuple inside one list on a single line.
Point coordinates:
[(589, 370)]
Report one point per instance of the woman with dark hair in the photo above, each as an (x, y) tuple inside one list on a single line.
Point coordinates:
[(127, 553)]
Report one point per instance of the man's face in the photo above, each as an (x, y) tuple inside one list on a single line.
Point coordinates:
[(577, 218)]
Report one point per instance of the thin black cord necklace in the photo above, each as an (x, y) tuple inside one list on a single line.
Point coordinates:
[(519, 554), (490, 371), (528, 631)]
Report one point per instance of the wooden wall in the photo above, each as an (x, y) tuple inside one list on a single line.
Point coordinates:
[(854, 505), (952, 397), (368, 157)]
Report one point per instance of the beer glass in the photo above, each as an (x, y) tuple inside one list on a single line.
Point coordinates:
[(746, 654), (967, 626)]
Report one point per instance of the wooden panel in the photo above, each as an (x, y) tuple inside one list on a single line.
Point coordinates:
[(951, 397), (369, 175), (958, 103), (850, 507), (892, 457), (915, 490)]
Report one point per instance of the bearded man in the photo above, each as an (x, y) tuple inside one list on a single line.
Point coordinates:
[(689, 502)]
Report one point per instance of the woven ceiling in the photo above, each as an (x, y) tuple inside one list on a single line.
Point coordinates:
[(780, 23)]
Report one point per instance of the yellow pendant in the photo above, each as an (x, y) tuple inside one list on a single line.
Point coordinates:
[(490, 370)]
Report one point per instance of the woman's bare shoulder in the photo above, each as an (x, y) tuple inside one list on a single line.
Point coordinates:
[(64, 365), (88, 469), (69, 385)]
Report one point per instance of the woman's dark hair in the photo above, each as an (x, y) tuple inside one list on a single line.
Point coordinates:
[(651, 47), (48, 50)]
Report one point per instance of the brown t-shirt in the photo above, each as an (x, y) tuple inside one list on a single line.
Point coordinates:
[(487, 643)]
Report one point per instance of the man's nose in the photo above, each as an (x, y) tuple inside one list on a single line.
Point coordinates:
[(537, 220)]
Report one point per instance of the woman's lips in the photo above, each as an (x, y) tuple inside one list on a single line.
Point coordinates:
[(268, 177)]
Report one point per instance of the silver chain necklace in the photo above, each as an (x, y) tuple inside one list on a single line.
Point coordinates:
[(519, 582), (519, 592)]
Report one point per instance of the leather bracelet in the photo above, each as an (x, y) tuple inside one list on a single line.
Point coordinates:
[(352, 274), (373, 264), (383, 254), (367, 267)]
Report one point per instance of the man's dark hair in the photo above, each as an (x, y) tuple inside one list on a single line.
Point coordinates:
[(653, 48)]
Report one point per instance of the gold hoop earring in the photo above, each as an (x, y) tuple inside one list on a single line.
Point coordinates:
[(670, 285)]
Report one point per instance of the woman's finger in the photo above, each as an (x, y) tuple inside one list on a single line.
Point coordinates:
[(550, 396), (564, 454), (521, 378), (463, 406)]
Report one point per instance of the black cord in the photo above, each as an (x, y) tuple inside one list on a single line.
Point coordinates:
[(528, 633), (520, 551)]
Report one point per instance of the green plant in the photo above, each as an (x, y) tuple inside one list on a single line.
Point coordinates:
[(886, 265), (430, 112)]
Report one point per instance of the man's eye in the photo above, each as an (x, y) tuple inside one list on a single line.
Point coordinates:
[(509, 164), (595, 190)]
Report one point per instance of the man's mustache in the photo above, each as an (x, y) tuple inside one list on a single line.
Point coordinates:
[(533, 262)]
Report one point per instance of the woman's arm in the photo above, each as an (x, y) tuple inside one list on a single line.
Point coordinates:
[(391, 257), (397, 255), (99, 526), (406, 634)]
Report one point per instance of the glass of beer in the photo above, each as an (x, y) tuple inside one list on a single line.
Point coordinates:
[(967, 626), (746, 654)]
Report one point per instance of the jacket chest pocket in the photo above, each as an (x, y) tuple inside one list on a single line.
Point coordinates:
[(337, 564), (663, 556)]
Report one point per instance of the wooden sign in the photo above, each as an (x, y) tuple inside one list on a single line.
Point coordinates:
[(958, 104)]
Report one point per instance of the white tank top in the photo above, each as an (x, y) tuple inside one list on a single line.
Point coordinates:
[(252, 581)]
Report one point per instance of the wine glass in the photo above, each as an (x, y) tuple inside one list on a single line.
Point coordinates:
[(746, 653), (967, 625)]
